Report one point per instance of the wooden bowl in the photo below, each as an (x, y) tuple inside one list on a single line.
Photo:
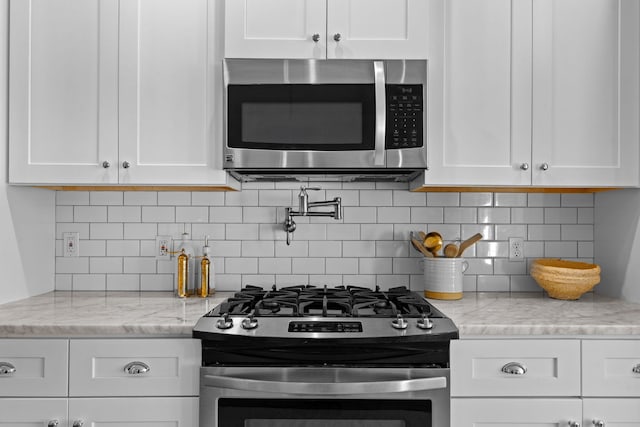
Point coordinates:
[(566, 280)]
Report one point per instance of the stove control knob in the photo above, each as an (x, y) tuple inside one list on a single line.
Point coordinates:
[(249, 322), (425, 323), (224, 322), (399, 323)]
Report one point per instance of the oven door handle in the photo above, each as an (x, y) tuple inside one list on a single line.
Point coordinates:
[(310, 388), (381, 112)]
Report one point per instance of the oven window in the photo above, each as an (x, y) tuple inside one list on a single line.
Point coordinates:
[(323, 413), (301, 117)]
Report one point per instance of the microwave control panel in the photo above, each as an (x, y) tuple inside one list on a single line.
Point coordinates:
[(404, 116)]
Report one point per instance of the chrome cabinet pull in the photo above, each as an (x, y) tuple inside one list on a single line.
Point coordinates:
[(52, 423), (7, 369), (106, 164), (598, 423), (514, 368), (126, 164), (337, 37), (544, 166), (78, 423), (315, 37), (636, 369), (574, 424), (136, 368), (524, 166)]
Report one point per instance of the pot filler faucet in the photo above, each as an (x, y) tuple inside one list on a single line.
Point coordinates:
[(304, 206)]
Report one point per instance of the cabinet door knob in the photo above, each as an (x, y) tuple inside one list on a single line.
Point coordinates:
[(337, 37), (136, 368), (514, 368), (78, 423), (106, 164), (524, 166), (7, 369), (598, 423), (574, 424), (126, 164), (544, 166), (636, 369), (315, 37), (52, 423)]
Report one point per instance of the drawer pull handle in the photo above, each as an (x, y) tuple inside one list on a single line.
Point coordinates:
[(636, 369), (7, 369), (78, 423), (52, 423), (514, 368), (136, 368), (574, 424), (598, 423)]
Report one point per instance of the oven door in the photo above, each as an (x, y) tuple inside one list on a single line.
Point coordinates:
[(304, 114), (324, 397)]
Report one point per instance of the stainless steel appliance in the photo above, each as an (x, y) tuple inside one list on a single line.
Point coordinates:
[(342, 119), (320, 357)]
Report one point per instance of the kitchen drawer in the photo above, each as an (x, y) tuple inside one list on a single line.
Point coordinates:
[(40, 367), (552, 368), (611, 368), (99, 367)]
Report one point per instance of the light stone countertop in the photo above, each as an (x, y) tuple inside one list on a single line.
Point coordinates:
[(155, 314)]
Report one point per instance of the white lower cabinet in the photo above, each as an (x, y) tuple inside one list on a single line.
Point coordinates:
[(545, 382), (515, 412), (99, 382)]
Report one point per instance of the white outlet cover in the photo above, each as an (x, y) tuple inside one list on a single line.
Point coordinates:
[(71, 244)]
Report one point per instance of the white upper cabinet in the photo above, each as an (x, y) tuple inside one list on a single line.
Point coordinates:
[(585, 92), (63, 91), (319, 29), (479, 124), (533, 92), (115, 92)]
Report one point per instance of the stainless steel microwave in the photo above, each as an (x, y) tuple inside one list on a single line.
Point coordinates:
[(342, 119)]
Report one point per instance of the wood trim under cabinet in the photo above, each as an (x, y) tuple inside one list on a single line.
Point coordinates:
[(515, 189), (135, 188)]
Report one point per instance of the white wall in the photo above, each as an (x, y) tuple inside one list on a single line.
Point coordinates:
[(27, 215), (617, 243)]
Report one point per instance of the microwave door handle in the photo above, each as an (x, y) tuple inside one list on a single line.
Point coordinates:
[(381, 111), (311, 388)]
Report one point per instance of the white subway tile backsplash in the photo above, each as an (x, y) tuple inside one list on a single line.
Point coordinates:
[(192, 214), (376, 198), (395, 215), (106, 231), (90, 214), (106, 198), (158, 214), (174, 198), (124, 214), (369, 247)]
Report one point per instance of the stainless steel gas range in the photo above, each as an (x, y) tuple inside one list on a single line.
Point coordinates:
[(317, 357)]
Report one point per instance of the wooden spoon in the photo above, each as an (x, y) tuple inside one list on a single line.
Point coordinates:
[(450, 250), (470, 241), (416, 244), (433, 242)]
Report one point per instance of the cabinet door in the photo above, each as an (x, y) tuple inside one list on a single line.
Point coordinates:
[(275, 29), (170, 100), (479, 95), (377, 29), (515, 412), (612, 412), (63, 120), (585, 92), (33, 412), (120, 412)]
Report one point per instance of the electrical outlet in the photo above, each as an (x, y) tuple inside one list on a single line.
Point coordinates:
[(70, 244), (516, 249), (163, 247)]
